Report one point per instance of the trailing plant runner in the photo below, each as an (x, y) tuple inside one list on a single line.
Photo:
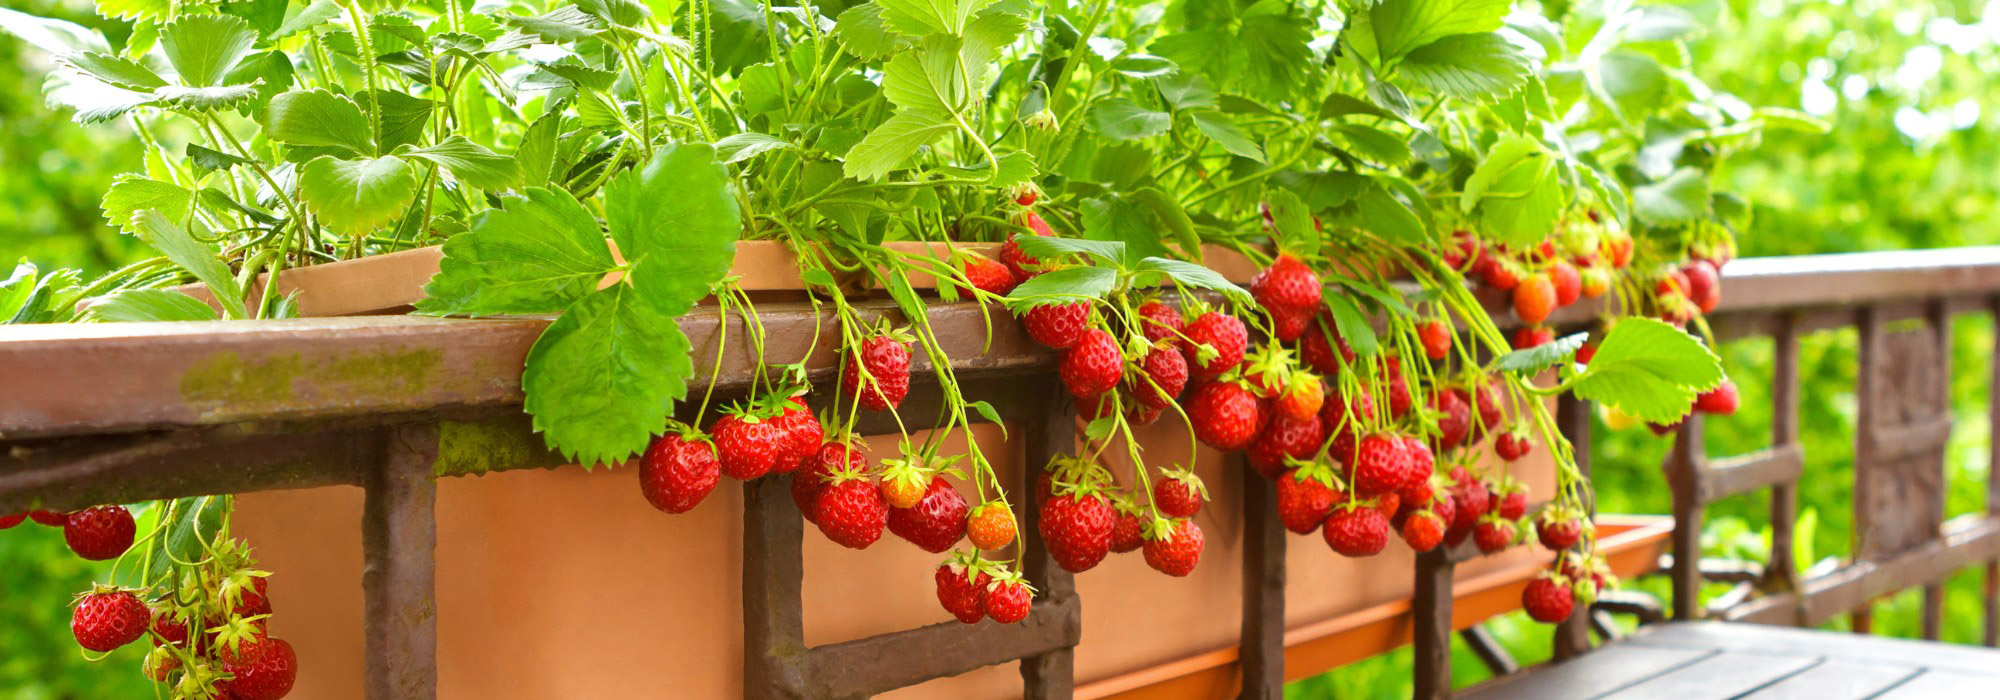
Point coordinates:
[(1380, 161)]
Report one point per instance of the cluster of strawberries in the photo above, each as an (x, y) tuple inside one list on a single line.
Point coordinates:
[(97, 533), (1553, 274)]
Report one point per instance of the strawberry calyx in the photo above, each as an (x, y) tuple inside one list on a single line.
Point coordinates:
[(1187, 476)]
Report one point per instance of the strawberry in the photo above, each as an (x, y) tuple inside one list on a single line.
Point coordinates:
[(1423, 531), (1026, 194), (1165, 376), (1317, 346), (241, 643), (987, 275), (1287, 284), (49, 517), (1463, 247), (803, 435), (1493, 534), (886, 356), (1595, 282), (1141, 415), (850, 510), (1386, 503), (1399, 390), (1720, 401), (1179, 494), (99, 533), (269, 676), (1513, 503), (677, 471), (1221, 339), (1548, 599), (1008, 599), (252, 594), (1455, 417), (1161, 323), (1418, 463), (1436, 339), (1289, 324), (1704, 286), (1302, 398), (1497, 272), (1343, 418), (1490, 403), (962, 590), (1057, 326), (1616, 246), (808, 482), (1225, 415), (1282, 439), (1558, 531), (1077, 526), (1470, 500), (159, 664), (168, 629), (1174, 547), (1023, 266), (1567, 282), (1356, 532), (1533, 337), (1534, 298), (1128, 532), (1584, 353), (1093, 365), (990, 526), (7, 522), (937, 521), (1305, 496), (108, 618), (1379, 464), (903, 484), (748, 444)]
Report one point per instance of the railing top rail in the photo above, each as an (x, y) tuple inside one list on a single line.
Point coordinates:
[(1850, 279)]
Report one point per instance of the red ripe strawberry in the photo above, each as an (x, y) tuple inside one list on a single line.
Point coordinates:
[(1567, 281), (1720, 401), (1493, 535), (1455, 419), (49, 517), (1704, 286), (1179, 495), (168, 629), (1343, 418), (106, 619), (1280, 439), (1462, 247), (1386, 503), (1008, 600), (803, 435), (1534, 299), (1026, 195), (99, 533), (1304, 499), (1287, 284), (1617, 247), (962, 591), (1302, 398), (1510, 448), (1557, 532), (1161, 322), (1023, 266), (887, 359), (1488, 400), (937, 521), (254, 598), (1584, 353), (1533, 337), (1141, 415), (1317, 346), (1418, 463), (1513, 504), (269, 676), (748, 445), (1497, 272), (1225, 339), (990, 526), (808, 482), (1423, 531), (1399, 390), (1092, 366), (1092, 408), (1226, 415), (1548, 599), (8, 522), (1436, 339), (987, 275), (1470, 500), (1379, 465), (1174, 549), (1168, 373), (1057, 326), (1290, 324), (850, 510), (1356, 532), (1077, 529), (677, 472), (1128, 532)]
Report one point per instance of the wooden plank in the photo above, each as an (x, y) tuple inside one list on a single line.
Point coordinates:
[(1782, 572), (1740, 637), (1263, 625), (1965, 541), (1935, 684), (1051, 675), (1843, 679), (1749, 472), (1685, 476), (1602, 671), (1725, 675), (1573, 418), (398, 575), (1432, 602), (774, 636), (885, 662)]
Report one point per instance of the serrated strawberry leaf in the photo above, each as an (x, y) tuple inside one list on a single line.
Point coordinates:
[(1353, 326), (535, 254), (1541, 357), (1192, 275), (1064, 286), (601, 380), (1649, 369), (1051, 247)]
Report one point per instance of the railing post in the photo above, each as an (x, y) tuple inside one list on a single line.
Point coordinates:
[(1684, 467), (1263, 644), (774, 638), (1781, 573), (1572, 636), (398, 578), (1432, 633), (1049, 676), (1992, 592)]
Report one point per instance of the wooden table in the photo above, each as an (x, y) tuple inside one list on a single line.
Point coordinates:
[(1704, 660)]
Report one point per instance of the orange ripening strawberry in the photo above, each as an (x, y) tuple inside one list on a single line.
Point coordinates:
[(1567, 281), (1534, 298), (990, 526), (1436, 339), (1302, 397)]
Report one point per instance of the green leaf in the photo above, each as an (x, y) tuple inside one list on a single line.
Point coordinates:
[(736, 148), (1534, 360), (537, 153), (318, 118), (536, 254), (677, 214), (1629, 81), (862, 30), (1124, 120), (54, 36), (138, 10), (354, 197), (1171, 215), (218, 97), (1193, 275), (113, 70), (1342, 104), (1681, 197), (208, 159), (132, 305), (563, 24), (404, 118), (1140, 65), (1387, 150), (203, 48), (1468, 66), (1228, 135), (1118, 219), (310, 16), (1401, 26), (132, 193), (1517, 191), (1292, 219), (1391, 218), (189, 523), (14, 291), (470, 163), (1649, 369), (621, 13), (1047, 248), (192, 255), (1353, 326), (1067, 285), (921, 17), (1324, 190)]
